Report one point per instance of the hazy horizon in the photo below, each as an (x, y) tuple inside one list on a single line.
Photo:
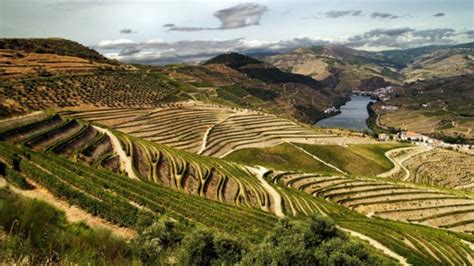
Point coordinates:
[(176, 31)]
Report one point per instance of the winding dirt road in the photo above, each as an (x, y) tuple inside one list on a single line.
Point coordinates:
[(398, 162), (260, 171), (125, 162)]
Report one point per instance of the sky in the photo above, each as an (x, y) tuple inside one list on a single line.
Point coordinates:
[(160, 32)]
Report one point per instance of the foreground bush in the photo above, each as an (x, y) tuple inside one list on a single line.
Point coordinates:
[(316, 242)]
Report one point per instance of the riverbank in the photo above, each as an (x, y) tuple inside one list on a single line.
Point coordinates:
[(352, 115)]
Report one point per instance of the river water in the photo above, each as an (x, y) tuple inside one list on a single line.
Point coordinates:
[(353, 115)]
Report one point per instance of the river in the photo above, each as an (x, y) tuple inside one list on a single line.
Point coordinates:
[(353, 115)]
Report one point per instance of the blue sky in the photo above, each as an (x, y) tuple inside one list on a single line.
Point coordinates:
[(153, 31)]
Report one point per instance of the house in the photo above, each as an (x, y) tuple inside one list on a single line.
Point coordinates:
[(411, 136), (383, 137)]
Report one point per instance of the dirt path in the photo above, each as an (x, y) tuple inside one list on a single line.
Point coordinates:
[(73, 213), (377, 245), (317, 158), (206, 135), (125, 162), (260, 171), (398, 162)]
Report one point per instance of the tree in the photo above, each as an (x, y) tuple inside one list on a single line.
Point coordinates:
[(197, 248)]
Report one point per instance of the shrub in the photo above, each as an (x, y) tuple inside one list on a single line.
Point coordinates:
[(313, 242), (203, 247), (156, 240), (197, 249)]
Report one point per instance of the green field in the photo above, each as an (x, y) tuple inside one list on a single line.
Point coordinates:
[(281, 157), (359, 159)]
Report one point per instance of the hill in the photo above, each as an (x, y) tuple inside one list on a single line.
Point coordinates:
[(261, 71), (439, 107), (355, 69), (207, 165), (121, 178), (76, 76), (56, 46), (345, 67), (405, 57)]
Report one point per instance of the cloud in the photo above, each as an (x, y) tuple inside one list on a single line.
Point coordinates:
[(189, 29), (382, 15), (441, 14), (242, 15), (126, 31), (470, 34), (115, 44), (435, 34), (342, 13), (239, 16), (168, 25), (401, 38), (129, 51), (160, 52), (388, 32)]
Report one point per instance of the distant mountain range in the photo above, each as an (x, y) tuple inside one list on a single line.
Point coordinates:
[(299, 84), (353, 68)]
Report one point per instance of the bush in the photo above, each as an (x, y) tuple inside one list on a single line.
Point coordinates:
[(313, 242), (197, 249), (203, 247), (156, 240)]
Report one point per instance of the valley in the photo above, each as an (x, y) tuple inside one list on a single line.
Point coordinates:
[(227, 151)]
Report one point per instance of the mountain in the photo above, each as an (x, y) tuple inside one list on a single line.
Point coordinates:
[(440, 108), (55, 73), (353, 68), (406, 57), (256, 69), (348, 67), (54, 46), (441, 63), (112, 164)]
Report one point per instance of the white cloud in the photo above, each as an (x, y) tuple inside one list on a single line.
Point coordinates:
[(157, 51), (239, 16), (114, 44)]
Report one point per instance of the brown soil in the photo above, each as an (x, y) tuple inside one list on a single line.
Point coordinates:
[(210, 185), (230, 188)]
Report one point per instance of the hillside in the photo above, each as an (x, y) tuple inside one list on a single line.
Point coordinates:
[(345, 67), (75, 76), (440, 107), (121, 178), (282, 92), (354, 68), (56, 46), (214, 165)]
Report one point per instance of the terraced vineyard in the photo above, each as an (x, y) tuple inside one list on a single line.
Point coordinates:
[(75, 160), (443, 168), (388, 200), (17, 64), (207, 129), (398, 157), (180, 170)]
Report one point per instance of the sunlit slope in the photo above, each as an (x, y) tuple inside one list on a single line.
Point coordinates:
[(210, 191), (207, 129)]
